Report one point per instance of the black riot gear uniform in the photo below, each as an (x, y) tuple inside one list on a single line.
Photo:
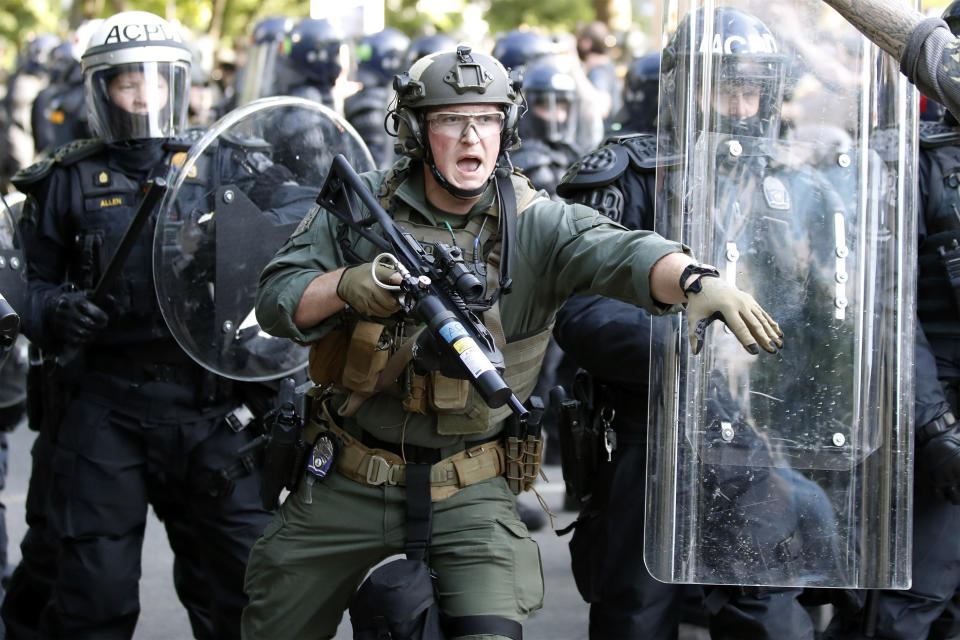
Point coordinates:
[(640, 95), (619, 179), (548, 129), (930, 607), (315, 58), (129, 420), (380, 57)]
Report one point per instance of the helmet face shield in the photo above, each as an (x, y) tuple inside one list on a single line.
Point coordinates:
[(139, 100), (746, 98), (724, 75), (550, 117), (136, 76)]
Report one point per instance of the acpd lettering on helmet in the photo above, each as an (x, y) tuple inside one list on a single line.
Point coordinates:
[(737, 44), (148, 32)]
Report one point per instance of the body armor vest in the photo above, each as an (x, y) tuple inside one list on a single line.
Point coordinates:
[(938, 294), (459, 408)]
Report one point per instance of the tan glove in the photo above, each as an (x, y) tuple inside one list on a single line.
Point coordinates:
[(357, 288), (718, 300)]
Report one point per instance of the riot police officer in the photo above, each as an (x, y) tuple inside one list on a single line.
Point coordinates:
[(928, 608), (548, 130), (59, 112), (265, 73), (607, 337), (457, 114), (131, 419), (317, 58), (379, 58), (640, 95)]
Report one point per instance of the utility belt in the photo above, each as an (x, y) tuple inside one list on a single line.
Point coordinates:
[(587, 436), (384, 465)]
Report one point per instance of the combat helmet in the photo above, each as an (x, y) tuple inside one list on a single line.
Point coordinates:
[(136, 53), (452, 78)]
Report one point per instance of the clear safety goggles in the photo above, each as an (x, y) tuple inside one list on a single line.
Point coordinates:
[(455, 125)]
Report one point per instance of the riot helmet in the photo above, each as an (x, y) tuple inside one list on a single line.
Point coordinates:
[(550, 95), (36, 58), (746, 71), (380, 57), (640, 93), (317, 51), (518, 48), (451, 78), (425, 45), (136, 73), (264, 71)]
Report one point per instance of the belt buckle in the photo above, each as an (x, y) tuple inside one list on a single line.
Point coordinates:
[(379, 471)]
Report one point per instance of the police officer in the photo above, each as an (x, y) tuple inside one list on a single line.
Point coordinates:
[(640, 94), (929, 607), (548, 130), (265, 72), (138, 423), (23, 86), (59, 112), (379, 58), (608, 338), (457, 114), (317, 56)]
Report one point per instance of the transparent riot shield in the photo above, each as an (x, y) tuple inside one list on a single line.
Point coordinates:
[(234, 200), (13, 273), (789, 141)]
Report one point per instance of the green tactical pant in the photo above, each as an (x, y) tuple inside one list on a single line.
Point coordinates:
[(312, 557)]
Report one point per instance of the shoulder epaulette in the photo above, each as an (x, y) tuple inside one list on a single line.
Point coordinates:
[(68, 154), (596, 169), (937, 134)]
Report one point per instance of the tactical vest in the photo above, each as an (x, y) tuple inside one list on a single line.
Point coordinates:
[(367, 346), (938, 296)]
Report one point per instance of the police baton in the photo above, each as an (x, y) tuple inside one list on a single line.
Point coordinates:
[(156, 188)]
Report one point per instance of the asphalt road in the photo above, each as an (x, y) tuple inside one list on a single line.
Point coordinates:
[(563, 617)]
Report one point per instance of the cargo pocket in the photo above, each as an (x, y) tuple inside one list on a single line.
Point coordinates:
[(527, 568)]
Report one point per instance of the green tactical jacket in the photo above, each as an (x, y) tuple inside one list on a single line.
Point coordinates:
[(561, 250)]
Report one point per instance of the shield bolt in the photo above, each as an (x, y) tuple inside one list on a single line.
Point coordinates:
[(735, 149), (843, 160), (228, 196), (3, 262), (838, 439), (726, 431), (227, 326), (14, 262)]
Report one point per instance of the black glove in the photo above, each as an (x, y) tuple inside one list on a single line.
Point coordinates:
[(938, 456), (75, 319)]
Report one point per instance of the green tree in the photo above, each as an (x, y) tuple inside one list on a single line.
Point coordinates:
[(556, 15)]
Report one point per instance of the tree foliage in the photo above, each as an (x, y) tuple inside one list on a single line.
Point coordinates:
[(556, 15)]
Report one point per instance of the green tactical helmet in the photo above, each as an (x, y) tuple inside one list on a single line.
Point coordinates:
[(448, 78), (951, 15)]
